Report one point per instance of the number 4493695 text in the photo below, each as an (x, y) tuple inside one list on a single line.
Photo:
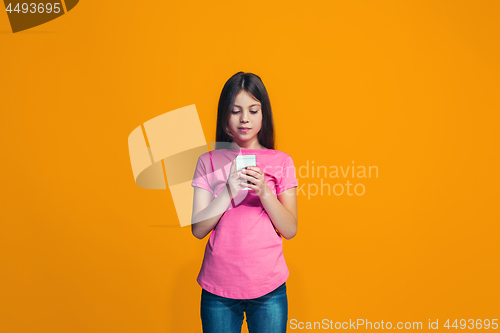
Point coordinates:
[(34, 8)]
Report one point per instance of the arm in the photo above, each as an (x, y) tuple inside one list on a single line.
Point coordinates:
[(282, 210), (207, 212)]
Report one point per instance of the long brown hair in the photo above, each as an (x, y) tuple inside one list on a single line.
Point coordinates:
[(254, 86)]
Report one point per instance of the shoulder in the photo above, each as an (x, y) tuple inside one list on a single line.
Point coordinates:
[(213, 157), (211, 154), (283, 156), (204, 160), (203, 157)]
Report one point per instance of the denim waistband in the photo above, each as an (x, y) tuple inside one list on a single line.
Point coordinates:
[(281, 289)]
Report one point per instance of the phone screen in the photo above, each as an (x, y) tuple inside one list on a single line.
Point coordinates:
[(243, 161)]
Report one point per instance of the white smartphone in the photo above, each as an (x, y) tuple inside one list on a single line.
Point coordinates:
[(243, 161)]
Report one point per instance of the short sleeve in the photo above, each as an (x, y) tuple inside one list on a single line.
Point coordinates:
[(288, 177), (200, 178)]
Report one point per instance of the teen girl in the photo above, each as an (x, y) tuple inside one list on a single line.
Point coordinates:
[(244, 270)]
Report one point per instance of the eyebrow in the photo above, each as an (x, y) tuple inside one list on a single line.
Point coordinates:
[(249, 106)]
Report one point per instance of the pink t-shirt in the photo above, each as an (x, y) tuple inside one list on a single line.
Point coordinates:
[(244, 254)]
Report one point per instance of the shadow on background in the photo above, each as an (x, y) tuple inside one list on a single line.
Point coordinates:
[(296, 293), (184, 302), (164, 226)]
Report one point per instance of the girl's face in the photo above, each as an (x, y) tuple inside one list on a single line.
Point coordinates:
[(246, 113)]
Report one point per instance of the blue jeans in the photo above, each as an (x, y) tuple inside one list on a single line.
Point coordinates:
[(265, 314)]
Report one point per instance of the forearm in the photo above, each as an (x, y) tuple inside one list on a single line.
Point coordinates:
[(284, 221), (207, 219)]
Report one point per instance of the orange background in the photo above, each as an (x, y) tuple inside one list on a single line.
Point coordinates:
[(410, 87)]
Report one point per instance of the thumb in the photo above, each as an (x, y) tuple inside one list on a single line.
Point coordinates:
[(233, 167)]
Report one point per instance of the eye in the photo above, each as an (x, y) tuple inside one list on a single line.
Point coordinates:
[(252, 112)]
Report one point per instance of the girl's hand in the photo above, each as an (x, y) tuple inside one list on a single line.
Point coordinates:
[(234, 182), (257, 180)]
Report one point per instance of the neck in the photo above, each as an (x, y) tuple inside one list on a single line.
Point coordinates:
[(255, 145)]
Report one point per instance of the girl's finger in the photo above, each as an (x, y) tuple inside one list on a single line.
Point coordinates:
[(251, 173), (248, 178), (254, 168), (233, 166)]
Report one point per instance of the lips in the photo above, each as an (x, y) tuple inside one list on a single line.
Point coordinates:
[(243, 128)]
